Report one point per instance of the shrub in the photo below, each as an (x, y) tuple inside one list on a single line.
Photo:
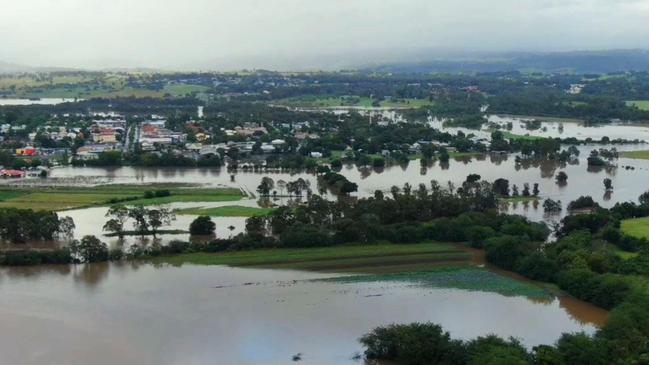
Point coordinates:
[(202, 226)]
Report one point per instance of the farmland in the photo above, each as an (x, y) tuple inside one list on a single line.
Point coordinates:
[(79, 197)]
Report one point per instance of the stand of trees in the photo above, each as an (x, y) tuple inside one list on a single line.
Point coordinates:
[(23, 225), (583, 262), (145, 220)]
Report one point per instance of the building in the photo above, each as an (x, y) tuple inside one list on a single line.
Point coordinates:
[(27, 151), (104, 137), (12, 173)]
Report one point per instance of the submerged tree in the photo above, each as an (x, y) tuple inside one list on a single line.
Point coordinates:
[(89, 249), (552, 206), (202, 226)]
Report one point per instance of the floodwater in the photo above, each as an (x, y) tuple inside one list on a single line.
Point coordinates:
[(42, 101), (134, 313), (574, 129), (582, 180), (131, 313)]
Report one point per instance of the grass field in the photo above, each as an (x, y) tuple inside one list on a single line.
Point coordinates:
[(227, 211), (640, 155), (466, 278), (348, 258), (638, 227), (85, 87), (71, 198), (640, 104), (518, 137), (313, 101), (184, 89)]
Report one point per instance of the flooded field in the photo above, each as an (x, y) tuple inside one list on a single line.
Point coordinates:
[(582, 180), (216, 314)]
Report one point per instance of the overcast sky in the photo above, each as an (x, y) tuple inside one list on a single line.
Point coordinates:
[(303, 34)]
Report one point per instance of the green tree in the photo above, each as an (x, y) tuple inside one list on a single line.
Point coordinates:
[(265, 186), (202, 226), (89, 249)]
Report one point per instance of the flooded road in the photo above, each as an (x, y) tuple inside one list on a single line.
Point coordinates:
[(130, 313)]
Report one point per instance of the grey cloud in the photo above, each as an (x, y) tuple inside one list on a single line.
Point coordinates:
[(229, 34)]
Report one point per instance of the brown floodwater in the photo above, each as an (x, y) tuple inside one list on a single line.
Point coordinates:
[(628, 184), (132, 313)]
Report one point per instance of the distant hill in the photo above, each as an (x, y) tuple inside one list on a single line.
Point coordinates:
[(12, 68), (6, 68), (577, 62)]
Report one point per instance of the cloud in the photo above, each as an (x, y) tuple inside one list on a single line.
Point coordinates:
[(232, 34)]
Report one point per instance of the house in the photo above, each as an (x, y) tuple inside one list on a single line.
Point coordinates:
[(193, 146), (27, 151), (415, 148), (12, 173), (249, 131), (267, 148), (305, 135), (105, 137), (202, 137)]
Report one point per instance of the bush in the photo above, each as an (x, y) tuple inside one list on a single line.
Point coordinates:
[(162, 193), (89, 249), (56, 256), (21, 258), (115, 254), (413, 344), (538, 267), (505, 251), (583, 202), (478, 234), (176, 247), (202, 226), (301, 235)]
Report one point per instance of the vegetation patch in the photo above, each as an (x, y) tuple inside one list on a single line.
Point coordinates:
[(347, 258), (518, 137), (227, 211), (640, 104), (640, 155), (313, 101), (475, 279), (636, 227), (78, 197)]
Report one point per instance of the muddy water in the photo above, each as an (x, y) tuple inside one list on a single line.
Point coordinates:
[(575, 129), (582, 180), (142, 314)]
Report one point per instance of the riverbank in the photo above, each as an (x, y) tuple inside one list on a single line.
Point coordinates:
[(371, 258), (64, 198)]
